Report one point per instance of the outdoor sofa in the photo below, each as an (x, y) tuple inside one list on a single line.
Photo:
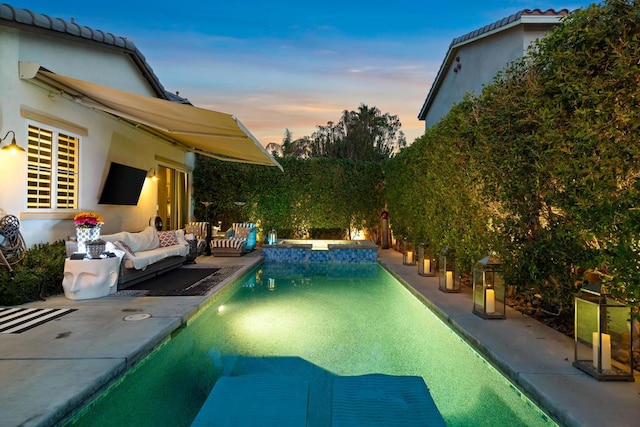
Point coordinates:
[(240, 239), (147, 253)]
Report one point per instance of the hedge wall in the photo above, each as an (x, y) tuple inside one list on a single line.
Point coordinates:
[(542, 167)]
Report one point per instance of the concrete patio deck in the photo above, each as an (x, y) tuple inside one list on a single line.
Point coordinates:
[(48, 371)]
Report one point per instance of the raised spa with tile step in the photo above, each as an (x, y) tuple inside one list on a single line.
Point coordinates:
[(337, 251)]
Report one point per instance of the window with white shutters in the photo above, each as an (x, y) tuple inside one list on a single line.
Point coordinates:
[(52, 175)]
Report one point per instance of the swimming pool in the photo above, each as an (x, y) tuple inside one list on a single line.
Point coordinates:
[(317, 322)]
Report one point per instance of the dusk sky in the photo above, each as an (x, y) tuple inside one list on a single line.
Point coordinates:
[(293, 64)]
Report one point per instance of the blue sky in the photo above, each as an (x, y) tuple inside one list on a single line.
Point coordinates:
[(293, 64)]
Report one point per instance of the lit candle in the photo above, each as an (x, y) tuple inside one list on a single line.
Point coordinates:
[(491, 301), (606, 351), (409, 257), (449, 280), (426, 265)]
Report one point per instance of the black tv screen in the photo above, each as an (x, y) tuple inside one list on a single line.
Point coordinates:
[(123, 185)]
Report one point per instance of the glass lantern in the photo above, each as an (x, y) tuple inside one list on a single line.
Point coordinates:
[(427, 264), (489, 289), (449, 277), (408, 253), (604, 335), (272, 237)]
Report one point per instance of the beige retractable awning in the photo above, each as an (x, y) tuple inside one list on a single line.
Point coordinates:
[(208, 132)]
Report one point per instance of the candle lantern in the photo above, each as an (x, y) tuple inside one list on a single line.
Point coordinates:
[(489, 289), (427, 264), (408, 253), (449, 279), (272, 237), (604, 335)]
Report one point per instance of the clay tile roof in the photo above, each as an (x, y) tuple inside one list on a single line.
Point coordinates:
[(508, 20), (28, 20)]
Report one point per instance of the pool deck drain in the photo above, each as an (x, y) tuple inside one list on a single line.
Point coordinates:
[(136, 317), (49, 371)]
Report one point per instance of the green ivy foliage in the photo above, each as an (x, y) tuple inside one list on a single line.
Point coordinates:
[(433, 191), (542, 167), (589, 79), (310, 195)]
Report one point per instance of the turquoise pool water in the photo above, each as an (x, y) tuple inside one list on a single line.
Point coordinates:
[(318, 322)]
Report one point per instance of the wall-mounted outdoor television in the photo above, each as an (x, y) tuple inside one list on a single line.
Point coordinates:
[(123, 185)]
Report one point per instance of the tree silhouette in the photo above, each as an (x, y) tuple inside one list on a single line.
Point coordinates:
[(365, 135)]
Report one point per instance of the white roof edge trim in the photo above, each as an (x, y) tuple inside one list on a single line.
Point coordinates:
[(541, 19)]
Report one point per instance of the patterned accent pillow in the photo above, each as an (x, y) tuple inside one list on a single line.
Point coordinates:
[(241, 231), (192, 229), (167, 238), (124, 247)]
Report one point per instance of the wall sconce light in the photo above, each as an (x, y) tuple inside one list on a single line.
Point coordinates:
[(13, 147), (240, 202), (152, 174)]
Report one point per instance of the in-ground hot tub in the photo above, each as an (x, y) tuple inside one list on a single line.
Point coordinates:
[(302, 250)]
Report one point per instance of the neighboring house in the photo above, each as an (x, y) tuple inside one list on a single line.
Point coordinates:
[(79, 100), (474, 59)]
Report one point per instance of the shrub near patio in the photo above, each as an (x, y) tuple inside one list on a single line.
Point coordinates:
[(37, 276)]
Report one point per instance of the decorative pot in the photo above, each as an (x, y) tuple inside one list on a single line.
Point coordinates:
[(95, 249), (84, 235)]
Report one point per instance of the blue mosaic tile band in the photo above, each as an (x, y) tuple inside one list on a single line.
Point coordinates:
[(285, 271), (339, 255)]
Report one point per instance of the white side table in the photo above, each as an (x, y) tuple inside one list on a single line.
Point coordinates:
[(90, 278)]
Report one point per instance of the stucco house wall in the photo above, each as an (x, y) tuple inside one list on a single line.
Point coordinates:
[(479, 63), (104, 66), (103, 138), (474, 59)]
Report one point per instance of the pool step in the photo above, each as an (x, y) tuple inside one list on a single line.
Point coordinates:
[(384, 401), (256, 400), (282, 400)]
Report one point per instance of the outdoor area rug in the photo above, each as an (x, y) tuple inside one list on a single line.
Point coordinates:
[(14, 320), (181, 282)]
